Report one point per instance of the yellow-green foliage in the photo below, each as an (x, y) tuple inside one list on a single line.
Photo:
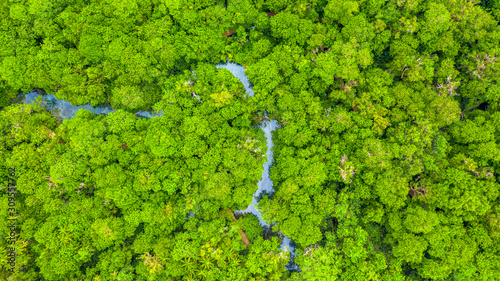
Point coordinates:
[(386, 155)]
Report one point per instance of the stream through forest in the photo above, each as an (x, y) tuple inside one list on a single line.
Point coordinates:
[(64, 110)]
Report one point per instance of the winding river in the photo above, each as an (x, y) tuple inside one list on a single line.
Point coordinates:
[(64, 110)]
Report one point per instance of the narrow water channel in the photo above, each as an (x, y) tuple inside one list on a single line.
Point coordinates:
[(265, 184), (64, 110)]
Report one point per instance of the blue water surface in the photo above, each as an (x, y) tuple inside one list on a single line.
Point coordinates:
[(64, 110)]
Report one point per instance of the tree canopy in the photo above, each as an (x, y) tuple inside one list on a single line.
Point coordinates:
[(385, 159)]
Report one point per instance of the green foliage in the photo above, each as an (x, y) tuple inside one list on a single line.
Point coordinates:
[(112, 190), (291, 28), (385, 158)]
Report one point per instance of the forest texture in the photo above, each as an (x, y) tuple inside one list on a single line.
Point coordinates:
[(386, 159)]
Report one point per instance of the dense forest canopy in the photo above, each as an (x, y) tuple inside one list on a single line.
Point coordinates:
[(385, 163)]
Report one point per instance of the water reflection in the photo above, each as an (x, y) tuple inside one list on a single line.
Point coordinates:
[(64, 110), (239, 72), (265, 184)]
